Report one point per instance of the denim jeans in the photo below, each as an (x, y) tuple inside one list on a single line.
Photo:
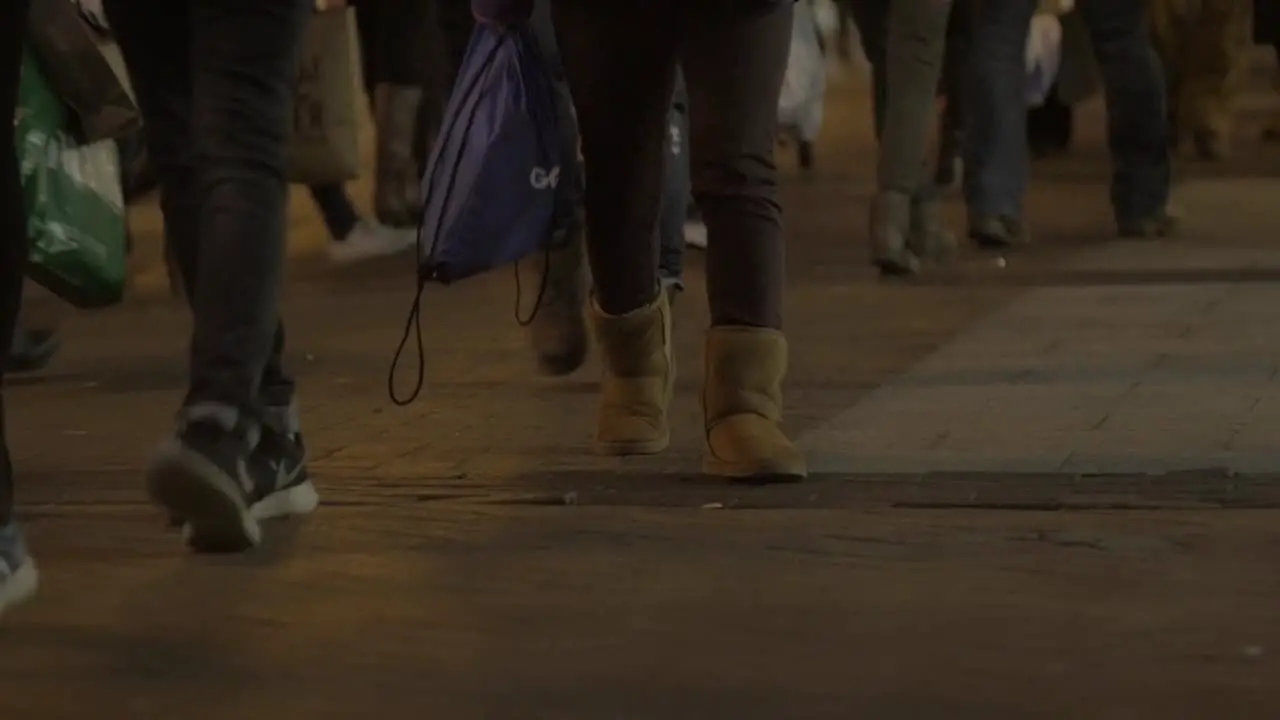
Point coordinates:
[(215, 82), (996, 156)]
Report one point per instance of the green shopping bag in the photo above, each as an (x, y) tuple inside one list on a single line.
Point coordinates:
[(74, 202)]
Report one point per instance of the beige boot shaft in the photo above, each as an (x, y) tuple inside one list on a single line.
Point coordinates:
[(742, 406), (638, 378)]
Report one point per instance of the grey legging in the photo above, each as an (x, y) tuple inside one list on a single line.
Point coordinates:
[(905, 43)]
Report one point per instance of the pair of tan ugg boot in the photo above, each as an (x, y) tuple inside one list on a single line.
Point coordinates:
[(741, 394)]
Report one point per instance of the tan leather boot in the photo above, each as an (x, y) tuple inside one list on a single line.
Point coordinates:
[(638, 378), (742, 406)]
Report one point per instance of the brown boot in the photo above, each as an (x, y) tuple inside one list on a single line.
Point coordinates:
[(558, 331), (638, 378), (742, 406)]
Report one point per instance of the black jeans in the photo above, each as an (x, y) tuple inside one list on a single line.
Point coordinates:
[(13, 220), (620, 59), (215, 82)]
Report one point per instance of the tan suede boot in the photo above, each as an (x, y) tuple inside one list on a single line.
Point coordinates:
[(638, 378), (396, 180), (558, 332), (742, 406)]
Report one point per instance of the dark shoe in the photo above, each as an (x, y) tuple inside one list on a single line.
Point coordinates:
[(278, 466), (208, 476), (558, 331), (929, 240), (804, 154), (1000, 232), (1162, 224), (32, 350), (890, 227), (201, 475)]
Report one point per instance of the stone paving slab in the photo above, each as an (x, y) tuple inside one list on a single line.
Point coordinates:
[(1119, 379), (403, 611)]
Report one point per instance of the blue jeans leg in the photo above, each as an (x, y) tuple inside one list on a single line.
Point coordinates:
[(1137, 119), (996, 163)]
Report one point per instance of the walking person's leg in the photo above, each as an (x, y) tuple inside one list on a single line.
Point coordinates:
[(954, 61), (620, 61), (352, 237), (872, 20), (398, 101), (676, 187), (733, 63), (558, 331), (996, 162), (1137, 117), (1216, 62), (904, 224), (197, 65), (336, 209), (18, 577)]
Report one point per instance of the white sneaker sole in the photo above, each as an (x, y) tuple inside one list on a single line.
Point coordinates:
[(20, 586), (301, 499), (190, 487)]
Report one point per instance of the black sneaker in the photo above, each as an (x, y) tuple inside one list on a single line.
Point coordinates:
[(202, 476), (1161, 224), (278, 465), (282, 488)]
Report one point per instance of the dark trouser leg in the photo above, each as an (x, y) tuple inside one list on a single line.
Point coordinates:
[(872, 19), (340, 216), (995, 163), (13, 222), (676, 188), (904, 226), (1137, 122), (917, 36), (607, 47), (733, 68), (197, 66)]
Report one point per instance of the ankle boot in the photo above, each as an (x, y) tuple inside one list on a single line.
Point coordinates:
[(742, 406), (638, 378), (890, 229), (558, 331), (929, 239), (396, 193)]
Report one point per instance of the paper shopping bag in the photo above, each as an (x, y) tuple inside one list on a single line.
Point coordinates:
[(325, 144)]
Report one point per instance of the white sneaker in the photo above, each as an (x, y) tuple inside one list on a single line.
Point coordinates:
[(695, 234), (370, 240)]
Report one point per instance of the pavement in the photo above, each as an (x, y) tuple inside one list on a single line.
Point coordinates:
[(1043, 488)]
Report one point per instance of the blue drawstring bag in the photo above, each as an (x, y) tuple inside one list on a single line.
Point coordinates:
[(490, 188)]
